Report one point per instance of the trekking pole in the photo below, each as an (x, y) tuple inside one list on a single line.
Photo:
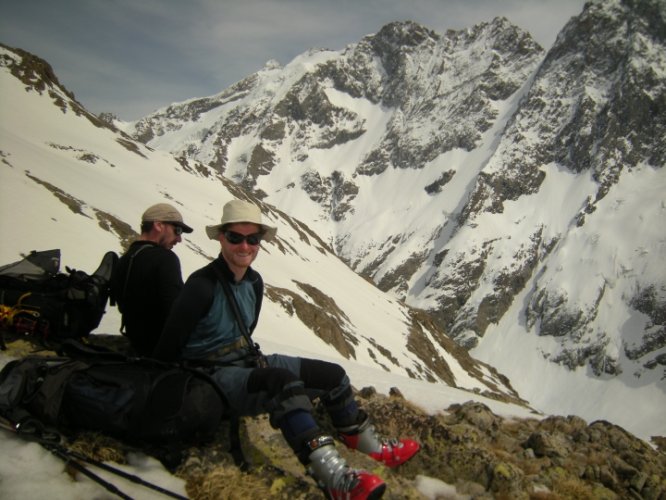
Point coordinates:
[(60, 453), (52, 444), (125, 475)]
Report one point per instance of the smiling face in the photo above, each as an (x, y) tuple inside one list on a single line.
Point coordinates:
[(239, 256)]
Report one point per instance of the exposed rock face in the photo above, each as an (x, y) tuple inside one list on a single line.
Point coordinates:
[(38, 76)]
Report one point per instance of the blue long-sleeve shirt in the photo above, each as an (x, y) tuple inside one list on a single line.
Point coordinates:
[(202, 321)]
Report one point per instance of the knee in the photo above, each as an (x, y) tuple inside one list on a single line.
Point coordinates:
[(336, 374), (323, 376), (284, 392), (273, 381)]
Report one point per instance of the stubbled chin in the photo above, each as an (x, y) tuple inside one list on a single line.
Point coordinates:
[(244, 258)]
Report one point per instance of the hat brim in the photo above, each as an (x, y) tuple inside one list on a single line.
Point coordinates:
[(269, 232), (186, 228)]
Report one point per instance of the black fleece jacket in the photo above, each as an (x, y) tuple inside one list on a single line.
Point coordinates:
[(145, 295)]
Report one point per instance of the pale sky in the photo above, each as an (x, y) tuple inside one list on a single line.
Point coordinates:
[(130, 57)]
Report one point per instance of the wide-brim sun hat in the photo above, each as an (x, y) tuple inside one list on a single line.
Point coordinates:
[(237, 211), (163, 212)]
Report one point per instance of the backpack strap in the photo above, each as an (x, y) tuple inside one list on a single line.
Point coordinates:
[(104, 272), (235, 447), (121, 300), (254, 347), (76, 349)]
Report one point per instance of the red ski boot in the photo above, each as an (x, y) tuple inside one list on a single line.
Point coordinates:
[(357, 485), (336, 478), (391, 452)]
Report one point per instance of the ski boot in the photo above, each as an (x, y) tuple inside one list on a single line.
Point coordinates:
[(362, 437), (336, 478)]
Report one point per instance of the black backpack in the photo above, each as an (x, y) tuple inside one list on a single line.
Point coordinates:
[(37, 299), (136, 400)]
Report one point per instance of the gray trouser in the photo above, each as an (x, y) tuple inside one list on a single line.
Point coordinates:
[(285, 390), (233, 381)]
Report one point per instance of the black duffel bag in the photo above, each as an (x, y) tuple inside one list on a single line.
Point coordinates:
[(133, 399)]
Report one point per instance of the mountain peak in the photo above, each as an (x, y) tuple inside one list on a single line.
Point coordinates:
[(402, 34)]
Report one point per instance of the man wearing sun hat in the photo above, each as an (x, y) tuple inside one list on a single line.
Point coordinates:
[(148, 277), (237, 211), (203, 326)]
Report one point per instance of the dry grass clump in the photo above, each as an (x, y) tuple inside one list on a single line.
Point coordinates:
[(99, 447)]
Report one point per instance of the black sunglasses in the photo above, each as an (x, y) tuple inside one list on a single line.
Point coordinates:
[(236, 238), (177, 230)]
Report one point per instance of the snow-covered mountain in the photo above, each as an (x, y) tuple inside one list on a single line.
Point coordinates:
[(517, 196)]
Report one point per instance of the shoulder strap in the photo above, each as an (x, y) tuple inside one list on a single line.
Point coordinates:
[(127, 278), (258, 286), (234, 306)]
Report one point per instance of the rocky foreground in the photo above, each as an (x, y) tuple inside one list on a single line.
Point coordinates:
[(479, 454)]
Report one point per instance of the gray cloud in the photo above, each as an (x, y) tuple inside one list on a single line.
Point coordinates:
[(131, 57)]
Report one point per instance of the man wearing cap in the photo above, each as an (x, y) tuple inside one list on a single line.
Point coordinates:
[(202, 325), (148, 278)]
